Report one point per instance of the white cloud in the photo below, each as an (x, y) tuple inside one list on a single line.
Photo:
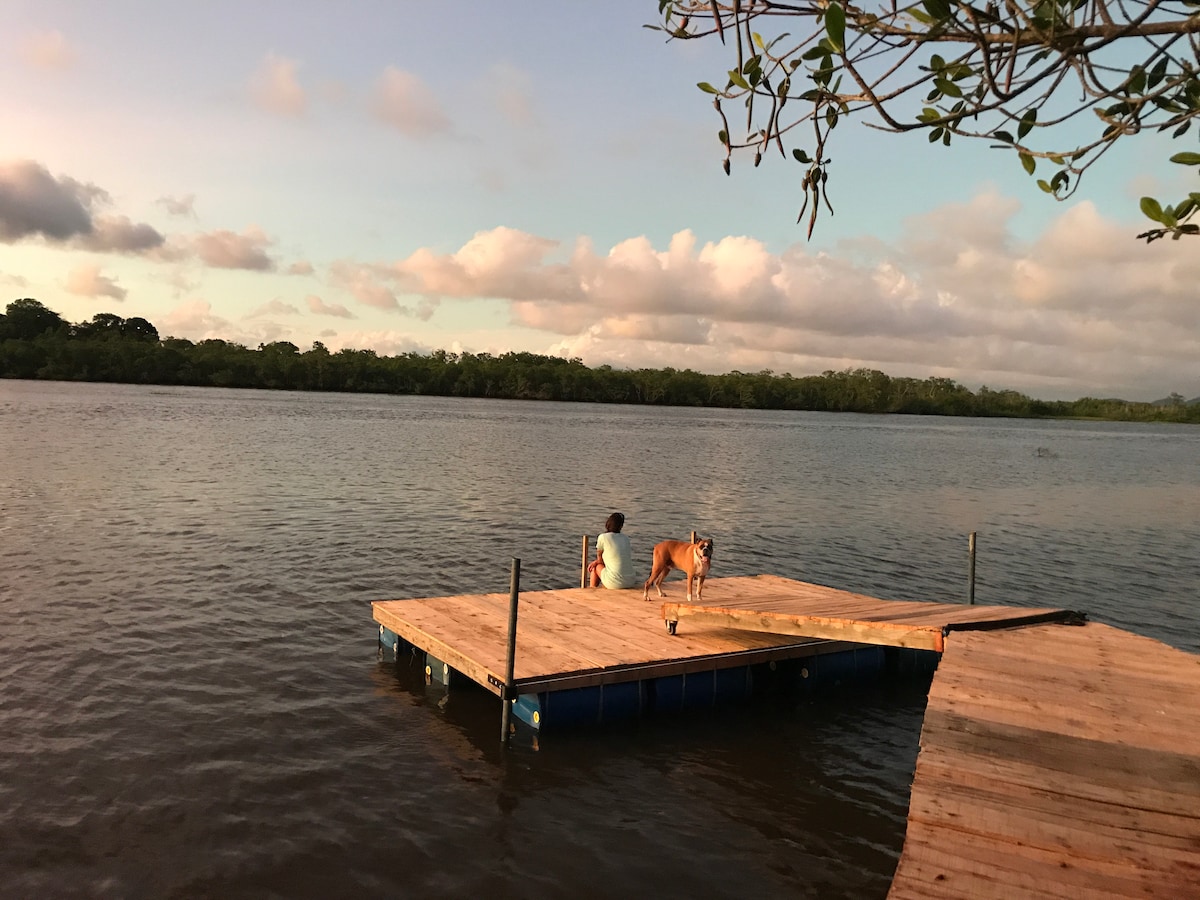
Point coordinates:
[(511, 90), (196, 321), (88, 281), (275, 88), (321, 308), (958, 297), (179, 206), (405, 102), (274, 307), (48, 50), (223, 249)]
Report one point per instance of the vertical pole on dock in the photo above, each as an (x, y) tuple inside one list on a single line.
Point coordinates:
[(693, 537), (583, 572), (510, 664), (971, 569)]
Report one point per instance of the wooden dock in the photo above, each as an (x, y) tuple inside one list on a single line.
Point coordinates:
[(583, 639), (1057, 762)]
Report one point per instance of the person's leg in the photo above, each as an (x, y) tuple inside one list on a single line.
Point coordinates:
[(596, 567)]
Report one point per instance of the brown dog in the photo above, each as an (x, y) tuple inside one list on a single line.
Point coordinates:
[(694, 560)]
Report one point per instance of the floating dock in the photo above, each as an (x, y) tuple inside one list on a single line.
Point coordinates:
[(592, 655), (1055, 761)]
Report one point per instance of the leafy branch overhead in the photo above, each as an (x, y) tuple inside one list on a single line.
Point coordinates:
[(1057, 82)]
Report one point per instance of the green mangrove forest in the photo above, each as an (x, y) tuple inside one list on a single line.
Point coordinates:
[(37, 343)]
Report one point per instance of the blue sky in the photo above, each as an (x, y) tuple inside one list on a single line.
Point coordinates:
[(544, 176)]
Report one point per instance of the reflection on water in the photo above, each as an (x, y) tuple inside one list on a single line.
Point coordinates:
[(192, 706)]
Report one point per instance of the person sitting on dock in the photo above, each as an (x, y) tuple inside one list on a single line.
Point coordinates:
[(613, 565)]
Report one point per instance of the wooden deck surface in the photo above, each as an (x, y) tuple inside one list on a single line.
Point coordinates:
[(783, 606), (577, 637), (1057, 762)]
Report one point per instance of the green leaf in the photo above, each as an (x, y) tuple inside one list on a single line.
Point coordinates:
[(1003, 136), (1027, 122), (801, 156), (935, 135), (1151, 209), (1045, 186), (707, 88), (939, 9), (735, 77), (1186, 159), (1028, 162), (949, 88), (835, 26), (1137, 80)]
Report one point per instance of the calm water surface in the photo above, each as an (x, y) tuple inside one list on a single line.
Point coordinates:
[(191, 704)]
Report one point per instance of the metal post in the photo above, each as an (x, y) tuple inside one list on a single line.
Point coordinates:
[(583, 572), (507, 696), (971, 569)]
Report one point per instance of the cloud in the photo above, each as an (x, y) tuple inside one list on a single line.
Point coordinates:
[(404, 101), (87, 281), (385, 343), (376, 286), (196, 321), (179, 206), (119, 235), (302, 267), (34, 203), (274, 307), (47, 50), (274, 87), (224, 249), (959, 295), (321, 308), (511, 90)]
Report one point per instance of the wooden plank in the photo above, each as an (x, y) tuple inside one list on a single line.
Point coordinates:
[(1057, 762), (971, 865), (856, 630)]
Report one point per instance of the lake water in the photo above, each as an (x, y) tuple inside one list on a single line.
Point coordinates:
[(191, 704)]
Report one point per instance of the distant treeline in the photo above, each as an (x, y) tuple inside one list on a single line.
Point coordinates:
[(37, 343)]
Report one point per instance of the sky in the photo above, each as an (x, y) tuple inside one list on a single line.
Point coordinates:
[(543, 176)]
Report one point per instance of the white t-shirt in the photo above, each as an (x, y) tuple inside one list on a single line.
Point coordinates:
[(618, 572)]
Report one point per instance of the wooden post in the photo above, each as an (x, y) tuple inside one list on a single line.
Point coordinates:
[(971, 569), (583, 572), (507, 696), (693, 537)]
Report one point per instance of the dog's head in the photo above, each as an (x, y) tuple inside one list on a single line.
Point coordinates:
[(704, 547)]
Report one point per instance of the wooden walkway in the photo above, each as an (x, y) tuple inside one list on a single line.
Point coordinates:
[(1057, 762), (783, 606), (579, 637)]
